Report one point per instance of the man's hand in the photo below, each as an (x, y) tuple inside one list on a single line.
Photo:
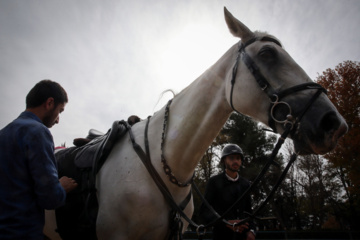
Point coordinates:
[(68, 184), (250, 236), (237, 228)]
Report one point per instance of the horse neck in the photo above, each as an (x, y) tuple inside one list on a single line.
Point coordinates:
[(197, 114)]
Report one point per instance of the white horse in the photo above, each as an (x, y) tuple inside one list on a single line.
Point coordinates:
[(131, 207)]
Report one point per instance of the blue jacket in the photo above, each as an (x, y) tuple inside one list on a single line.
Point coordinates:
[(28, 178)]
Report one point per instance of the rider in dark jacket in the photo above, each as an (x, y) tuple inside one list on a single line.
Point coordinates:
[(222, 191)]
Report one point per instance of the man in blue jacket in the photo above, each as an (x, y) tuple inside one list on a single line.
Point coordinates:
[(222, 191), (28, 172)]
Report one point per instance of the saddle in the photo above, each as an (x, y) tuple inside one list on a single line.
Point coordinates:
[(77, 218)]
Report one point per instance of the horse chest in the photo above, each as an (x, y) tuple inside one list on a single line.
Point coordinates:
[(132, 201)]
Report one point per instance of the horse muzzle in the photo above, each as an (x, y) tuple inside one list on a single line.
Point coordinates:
[(319, 135)]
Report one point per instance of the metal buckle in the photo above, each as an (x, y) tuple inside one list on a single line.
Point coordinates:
[(289, 117), (201, 230)]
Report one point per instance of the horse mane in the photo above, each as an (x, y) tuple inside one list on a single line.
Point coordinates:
[(162, 94)]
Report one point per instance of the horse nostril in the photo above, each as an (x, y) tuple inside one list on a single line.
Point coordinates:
[(329, 122)]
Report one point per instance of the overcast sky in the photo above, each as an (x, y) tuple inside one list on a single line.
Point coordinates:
[(115, 57)]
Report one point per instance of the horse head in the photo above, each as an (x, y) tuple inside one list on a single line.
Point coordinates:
[(284, 96)]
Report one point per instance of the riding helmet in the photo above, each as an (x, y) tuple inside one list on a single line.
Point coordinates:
[(231, 149)]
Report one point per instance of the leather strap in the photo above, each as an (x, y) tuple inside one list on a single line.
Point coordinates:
[(273, 95), (145, 158)]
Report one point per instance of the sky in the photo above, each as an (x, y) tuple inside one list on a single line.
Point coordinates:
[(115, 58)]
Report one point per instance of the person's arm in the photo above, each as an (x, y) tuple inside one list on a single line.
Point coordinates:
[(248, 227), (250, 235), (237, 228), (68, 184), (42, 166), (206, 215)]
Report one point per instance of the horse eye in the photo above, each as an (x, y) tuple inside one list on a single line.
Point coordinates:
[(268, 53)]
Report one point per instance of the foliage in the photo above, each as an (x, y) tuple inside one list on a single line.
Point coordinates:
[(319, 191), (343, 84), (256, 144)]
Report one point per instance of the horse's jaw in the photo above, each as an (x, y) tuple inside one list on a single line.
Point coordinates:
[(305, 145)]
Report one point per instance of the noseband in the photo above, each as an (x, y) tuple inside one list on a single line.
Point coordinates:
[(274, 96)]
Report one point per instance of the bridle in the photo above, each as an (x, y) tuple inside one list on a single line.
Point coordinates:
[(274, 96), (290, 122)]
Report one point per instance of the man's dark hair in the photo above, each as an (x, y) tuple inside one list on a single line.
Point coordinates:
[(44, 90)]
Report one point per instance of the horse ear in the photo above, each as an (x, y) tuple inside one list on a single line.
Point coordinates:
[(237, 28)]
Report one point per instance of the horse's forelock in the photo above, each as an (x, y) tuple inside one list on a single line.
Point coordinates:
[(260, 34)]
